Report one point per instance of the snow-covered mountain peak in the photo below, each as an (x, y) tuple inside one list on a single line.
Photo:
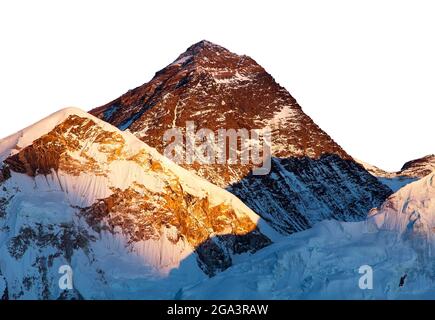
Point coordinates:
[(204, 45), (77, 191), (311, 178), (25, 137), (207, 61)]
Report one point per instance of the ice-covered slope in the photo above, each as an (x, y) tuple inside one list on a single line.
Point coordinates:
[(411, 210), (397, 241), (76, 191), (324, 263), (312, 177)]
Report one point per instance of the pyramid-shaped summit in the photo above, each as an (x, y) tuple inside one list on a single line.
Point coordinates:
[(204, 45), (206, 53), (216, 88), (312, 177)]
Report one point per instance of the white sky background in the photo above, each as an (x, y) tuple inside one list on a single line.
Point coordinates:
[(363, 70)]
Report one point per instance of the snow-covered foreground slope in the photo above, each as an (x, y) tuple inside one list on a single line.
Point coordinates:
[(76, 191), (323, 263), (397, 241)]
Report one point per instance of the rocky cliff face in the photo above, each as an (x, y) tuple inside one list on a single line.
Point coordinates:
[(419, 168), (218, 89), (76, 191)]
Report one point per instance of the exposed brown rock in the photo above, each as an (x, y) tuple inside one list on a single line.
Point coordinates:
[(5, 174), (141, 215), (52, 152), (419, 168), (218, 89)]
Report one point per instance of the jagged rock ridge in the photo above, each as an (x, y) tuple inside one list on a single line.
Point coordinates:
[(419, 168), (411, 171)]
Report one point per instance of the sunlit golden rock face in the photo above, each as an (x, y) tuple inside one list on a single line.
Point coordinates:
[(80, 146), (69, 147), (54, 151), (142, 215)]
